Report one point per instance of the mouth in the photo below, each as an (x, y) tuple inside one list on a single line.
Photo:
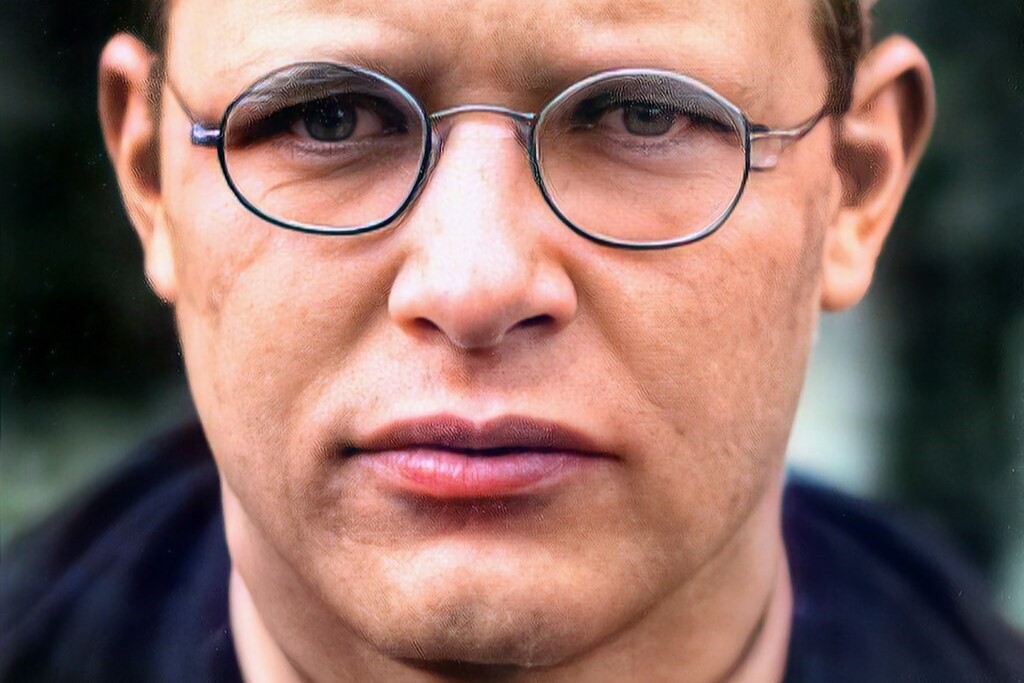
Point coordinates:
[(449, 457)]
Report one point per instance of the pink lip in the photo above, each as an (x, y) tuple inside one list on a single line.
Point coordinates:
[(450, 457)]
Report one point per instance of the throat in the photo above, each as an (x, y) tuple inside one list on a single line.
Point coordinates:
[(764, 656), (260, 658)]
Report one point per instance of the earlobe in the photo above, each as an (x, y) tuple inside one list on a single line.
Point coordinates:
[(877, 148), (160, 259), (128, 117)]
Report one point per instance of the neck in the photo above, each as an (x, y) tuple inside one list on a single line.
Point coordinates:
[(729, 624)]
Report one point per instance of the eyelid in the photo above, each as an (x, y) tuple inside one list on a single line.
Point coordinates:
[(299, 85), (693, 107)]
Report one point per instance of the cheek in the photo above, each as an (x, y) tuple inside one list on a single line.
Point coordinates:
[(715, 347), (264, 315)]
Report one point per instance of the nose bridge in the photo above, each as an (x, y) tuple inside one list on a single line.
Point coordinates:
[(479, 181), (474, 275), (441, 125)]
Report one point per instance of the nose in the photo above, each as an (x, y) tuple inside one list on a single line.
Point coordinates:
[(482, 264)]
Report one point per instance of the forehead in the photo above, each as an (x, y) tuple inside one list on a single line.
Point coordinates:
[(738, 46)]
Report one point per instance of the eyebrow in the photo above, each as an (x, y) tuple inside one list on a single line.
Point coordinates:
[(745, 95), (420, 74), (393, 65), (533, 75)]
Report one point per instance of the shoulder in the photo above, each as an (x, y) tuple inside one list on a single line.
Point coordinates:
[(878, 600), (124, 580)]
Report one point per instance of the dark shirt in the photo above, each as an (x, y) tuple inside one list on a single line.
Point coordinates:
[(130, 584)]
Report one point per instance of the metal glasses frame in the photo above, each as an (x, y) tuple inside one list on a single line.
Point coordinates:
[(762, 147)]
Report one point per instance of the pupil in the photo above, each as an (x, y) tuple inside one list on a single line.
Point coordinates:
[(648, 119), (330, 120)]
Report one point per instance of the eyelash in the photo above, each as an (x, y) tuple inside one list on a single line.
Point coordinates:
[(283, 118), (589, 112)]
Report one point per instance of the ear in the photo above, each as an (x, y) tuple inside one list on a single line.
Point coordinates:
[(878, 145), (130, 120)]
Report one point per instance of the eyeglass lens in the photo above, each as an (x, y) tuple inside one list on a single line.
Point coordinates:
[(637, 157), (641, 158), (324, 146)]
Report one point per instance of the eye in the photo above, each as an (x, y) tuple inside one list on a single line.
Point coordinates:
[(344, 117), (638, 118), (648, 113), (327, 120), (645, 120)]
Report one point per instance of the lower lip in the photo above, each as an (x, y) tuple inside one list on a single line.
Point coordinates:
[(446, 474)]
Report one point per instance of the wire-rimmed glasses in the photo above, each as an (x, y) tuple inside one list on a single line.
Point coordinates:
[(634, 158)]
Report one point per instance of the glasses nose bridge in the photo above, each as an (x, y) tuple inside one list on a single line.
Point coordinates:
[(523, 120)]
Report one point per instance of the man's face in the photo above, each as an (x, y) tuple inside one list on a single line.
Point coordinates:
[(682, 367)]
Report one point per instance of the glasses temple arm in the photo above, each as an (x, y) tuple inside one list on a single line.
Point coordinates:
[(201, 134), (768, 144)]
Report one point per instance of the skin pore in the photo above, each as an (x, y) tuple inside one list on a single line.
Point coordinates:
[(661, 562)]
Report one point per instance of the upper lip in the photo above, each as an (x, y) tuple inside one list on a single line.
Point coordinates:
[(508, 433)]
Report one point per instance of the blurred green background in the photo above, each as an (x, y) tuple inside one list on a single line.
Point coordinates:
[(915, 398)]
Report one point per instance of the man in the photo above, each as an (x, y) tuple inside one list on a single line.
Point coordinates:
[(496, 316)]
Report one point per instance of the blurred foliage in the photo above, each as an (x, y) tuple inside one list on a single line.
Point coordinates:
[(79, 321), (952, 280), (78, 317)]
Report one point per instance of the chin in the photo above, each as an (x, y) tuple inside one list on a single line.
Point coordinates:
[(461, 632), (499, 610)]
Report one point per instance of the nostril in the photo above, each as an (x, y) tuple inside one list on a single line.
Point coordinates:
[(537, 321), (424, 327)]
